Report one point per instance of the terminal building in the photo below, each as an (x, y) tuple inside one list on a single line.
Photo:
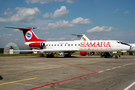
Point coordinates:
[(16, 46)]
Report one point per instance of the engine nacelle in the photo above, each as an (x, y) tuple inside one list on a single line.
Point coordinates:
[(61, 53), (83, 53), (41, 45)]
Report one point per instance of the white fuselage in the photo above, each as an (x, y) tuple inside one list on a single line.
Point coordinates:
[(93, 45)]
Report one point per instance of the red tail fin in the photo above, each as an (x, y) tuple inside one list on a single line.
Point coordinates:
[(29, 35)]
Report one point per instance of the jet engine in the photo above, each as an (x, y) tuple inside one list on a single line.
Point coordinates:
[(61, 53), (41, 45)]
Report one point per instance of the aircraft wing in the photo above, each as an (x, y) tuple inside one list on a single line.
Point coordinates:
[(50, 50)]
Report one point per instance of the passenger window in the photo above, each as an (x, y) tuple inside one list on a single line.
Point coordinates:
[(68, 44), (78, 44), (57, 44)]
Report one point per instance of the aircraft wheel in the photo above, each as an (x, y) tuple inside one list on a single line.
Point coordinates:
[(116, 57), (67, 55), (50, 56)]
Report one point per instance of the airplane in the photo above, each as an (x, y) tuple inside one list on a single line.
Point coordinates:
[(66, 48)]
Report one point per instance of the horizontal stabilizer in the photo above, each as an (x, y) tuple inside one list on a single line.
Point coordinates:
[(18, 28)]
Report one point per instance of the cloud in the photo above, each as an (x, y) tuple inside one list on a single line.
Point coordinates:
[(38, 22), (7, 35), (74, 39), (39, 1), (45, 33), (60, 12), (71, 1), (49, 1), (64, 24), (15, 30), (80, 21), (46, 15), (101, 29), (58, 24), (22, 15), (7, 13), (116, 10), (126, 12), (62, 38)]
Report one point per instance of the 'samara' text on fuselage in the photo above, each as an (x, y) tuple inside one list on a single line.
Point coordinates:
[(95, 44)]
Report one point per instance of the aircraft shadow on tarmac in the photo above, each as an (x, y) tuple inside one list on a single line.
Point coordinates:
[(1, 77), (70, 57)]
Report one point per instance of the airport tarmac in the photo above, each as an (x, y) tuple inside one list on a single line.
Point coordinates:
[(74, 73)]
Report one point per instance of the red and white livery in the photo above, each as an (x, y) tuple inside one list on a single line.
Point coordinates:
[(70, 47)]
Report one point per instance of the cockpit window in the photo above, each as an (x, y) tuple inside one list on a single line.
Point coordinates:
[(123, 43)]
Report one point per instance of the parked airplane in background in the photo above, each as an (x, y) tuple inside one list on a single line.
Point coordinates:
[(81, 37), (70, 47), (132, 50)]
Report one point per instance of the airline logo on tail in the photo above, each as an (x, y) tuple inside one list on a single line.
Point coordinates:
[(83, 39), (28, 35)]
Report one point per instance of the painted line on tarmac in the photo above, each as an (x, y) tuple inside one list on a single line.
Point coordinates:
[(94, 72), (116, 67), (79, 67), (18, 81), (127, 88), (119, 66), (100, 71), (108, 69), (20, 84)]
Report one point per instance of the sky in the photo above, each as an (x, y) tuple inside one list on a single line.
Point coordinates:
[(56, 20)]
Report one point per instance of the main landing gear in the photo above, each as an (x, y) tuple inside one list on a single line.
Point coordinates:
[(50, 55), (106, 55), (116, 56), (67, 55), (109, 55)]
